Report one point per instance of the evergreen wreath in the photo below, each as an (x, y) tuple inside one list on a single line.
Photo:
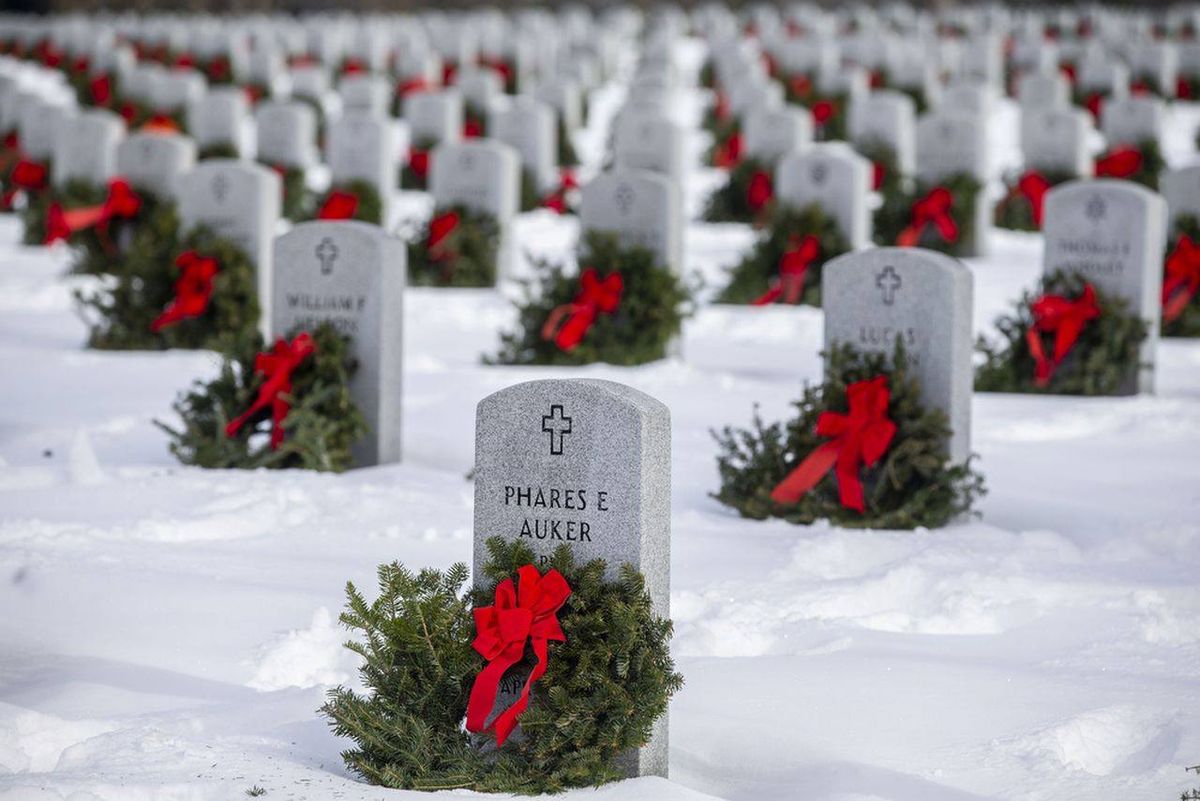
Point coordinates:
[(369, 206), (886, 179), (603, 689), (760, 269), (653, 304), (913, 484), (828, 109), (321, 425), (1187, 324), (732, 202), (297, 200), (418, 179), (1015, 210), (1101, 360), (1147, 168), (76, 193), (458, 247), (474, 120), (121, 314), (895, 216)]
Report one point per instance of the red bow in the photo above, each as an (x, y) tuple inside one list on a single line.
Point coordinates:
[(185, 60), (1093, 103), (557, 200), (823, 111), (800, 85), (526, 613), (218, 69), (1065, 319), (1033, 186), (472, 129), (792, 267), (29, 175), (406, 88), (595, 296), (933, 209), (1120, 163), (340, 205), (1182, 279), (878, 173), (1183, 88), (101, 88), (122, 202), (759, 192), (193, 289), (418, 162), (80, 64), (276, 366), (721, 106), (860, 437), (729, 153), (440, 228), (353, 66), (161, 123)]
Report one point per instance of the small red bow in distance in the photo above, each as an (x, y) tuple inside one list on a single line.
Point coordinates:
[(596, 295), (276, 367), (792, 267), (933, 209), (193, 290), (1063, 317)]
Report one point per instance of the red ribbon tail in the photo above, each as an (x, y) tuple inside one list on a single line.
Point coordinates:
[(279, 412), (1175, 300), (506, 721), (909, 237), (850, 488), (171, 315), (770, 296), (807, 474), (484, 691), (1043, 369), (576, 326)]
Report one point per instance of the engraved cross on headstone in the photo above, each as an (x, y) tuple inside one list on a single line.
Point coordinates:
[(220, 187), (888, 281), (327, 252), (557, 425)]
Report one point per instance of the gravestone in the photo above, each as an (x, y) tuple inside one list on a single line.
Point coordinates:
[(434, 116), (155, 161), (835, 178), (885, 118), (1112, 232), (528, 126), (311, 81), (1131, 120), (483, 176), (287, 133), (640, 207), (38, 127), (585, 463), (924, 298), (238, 201), (1056, 139), (772, 133), (1181, 189), (951, 143), (86, 148), (365, 94), (362, 147), (1044, 91), (352, 275), (649, 141), (219, 117)]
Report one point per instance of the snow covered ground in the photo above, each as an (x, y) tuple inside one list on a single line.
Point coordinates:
[(168, 633)]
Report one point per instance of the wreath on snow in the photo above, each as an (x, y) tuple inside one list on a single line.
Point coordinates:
[(36, 216), (1181, 280), (350, 200), (863, 452), (102, 246), (1024, 198), (1069, 338), (786, 261), (608, 675), (747, 197), (623, 308), (196, 291), (288, 406), (828, 109), (458, 247), (938, 216)]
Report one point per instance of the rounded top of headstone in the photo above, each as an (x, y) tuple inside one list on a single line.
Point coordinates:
[(597, 388), (898, 255), (1106, 185)]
